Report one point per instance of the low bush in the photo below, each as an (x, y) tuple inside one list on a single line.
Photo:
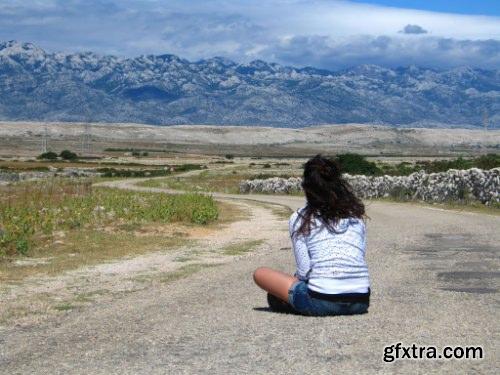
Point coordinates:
[(357, 164), (68, 155), (187, 167), (49, 155), (113, 172), (488, 161), (485, 162)]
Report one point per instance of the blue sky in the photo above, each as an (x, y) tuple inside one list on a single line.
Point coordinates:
[(322, 33), (484, 7)]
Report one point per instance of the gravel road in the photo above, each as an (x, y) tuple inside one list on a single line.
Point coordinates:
[(434, 278)]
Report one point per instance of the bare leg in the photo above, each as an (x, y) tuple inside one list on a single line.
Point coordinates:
[(275, 282)]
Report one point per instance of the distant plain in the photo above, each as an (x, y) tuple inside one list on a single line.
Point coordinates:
[(25, 139)]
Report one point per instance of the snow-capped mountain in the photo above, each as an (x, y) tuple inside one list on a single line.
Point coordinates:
[(166, 89)]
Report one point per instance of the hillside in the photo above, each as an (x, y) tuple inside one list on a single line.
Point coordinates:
[(164, 90)]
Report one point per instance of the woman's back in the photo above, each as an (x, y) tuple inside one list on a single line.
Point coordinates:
[(332, 262), (328, 239)]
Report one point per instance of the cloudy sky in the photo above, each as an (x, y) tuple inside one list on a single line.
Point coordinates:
[(322, 33)]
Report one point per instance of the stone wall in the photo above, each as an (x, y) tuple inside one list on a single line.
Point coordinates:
[(8, 177), (454, 185)]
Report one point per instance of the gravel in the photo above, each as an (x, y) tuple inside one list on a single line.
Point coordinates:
[(217, 321)]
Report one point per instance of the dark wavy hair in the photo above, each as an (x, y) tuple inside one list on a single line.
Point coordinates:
[(329, 196)]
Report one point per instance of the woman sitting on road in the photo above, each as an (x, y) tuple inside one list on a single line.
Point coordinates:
[(328, 238)]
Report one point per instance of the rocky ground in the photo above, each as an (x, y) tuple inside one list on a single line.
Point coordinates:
[(25, 138), (434, 277)]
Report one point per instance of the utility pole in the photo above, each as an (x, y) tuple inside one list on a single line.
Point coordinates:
[(44, 139), (86, 139), (485, 119)]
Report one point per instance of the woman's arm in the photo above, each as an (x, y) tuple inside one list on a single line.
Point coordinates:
[(300, 251)]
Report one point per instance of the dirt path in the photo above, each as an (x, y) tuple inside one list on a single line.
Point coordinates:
[(434, 278)]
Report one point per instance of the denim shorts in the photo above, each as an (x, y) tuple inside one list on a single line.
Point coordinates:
[(299, 297)]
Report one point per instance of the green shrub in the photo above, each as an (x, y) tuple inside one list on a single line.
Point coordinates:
[(436, 166), (68, 155), (113, 172), (357, 164), (488, 161), (48, 156), (187, 167)]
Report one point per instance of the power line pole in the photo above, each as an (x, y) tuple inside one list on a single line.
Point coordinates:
[(86, 139), (44, 139), (485, 119)]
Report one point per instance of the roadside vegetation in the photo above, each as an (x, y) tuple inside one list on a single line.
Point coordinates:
[(148, 172), (358, 164), (210, 181), (32, 213), (67, 159)]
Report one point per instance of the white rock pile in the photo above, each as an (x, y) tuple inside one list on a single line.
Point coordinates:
[(453, 185), (271, 185)]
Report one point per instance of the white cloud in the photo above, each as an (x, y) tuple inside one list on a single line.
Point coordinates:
[(328, 34), (336, 53)]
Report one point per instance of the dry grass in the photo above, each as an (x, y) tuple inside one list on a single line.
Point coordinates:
[(241, 247), (90, 247), (85, 248), (229, 213), (170, 276), (281, 212), (206, 181), (217, 180)]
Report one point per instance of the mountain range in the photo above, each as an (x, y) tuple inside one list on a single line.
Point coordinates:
[(36, 85)]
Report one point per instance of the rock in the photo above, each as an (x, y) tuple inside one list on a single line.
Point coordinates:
[(453, 185)]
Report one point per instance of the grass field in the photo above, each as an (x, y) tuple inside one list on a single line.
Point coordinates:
[(31, 212), (53, 225)]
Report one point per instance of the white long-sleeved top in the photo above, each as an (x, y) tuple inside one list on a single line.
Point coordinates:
[(332, 263)]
